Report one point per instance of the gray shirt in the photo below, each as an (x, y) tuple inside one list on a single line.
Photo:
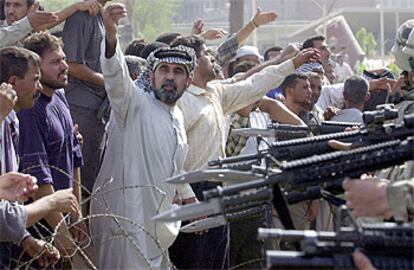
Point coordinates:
[(82, 36), (13, 220), (349, 115)]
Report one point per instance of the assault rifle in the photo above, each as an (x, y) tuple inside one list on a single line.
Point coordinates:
[(283, 132), (318, 170), (305, 147), (387, 245)]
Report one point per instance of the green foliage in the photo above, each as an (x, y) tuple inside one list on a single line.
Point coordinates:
[(367, 41), (395, 70), (153, 17), (56, 5)]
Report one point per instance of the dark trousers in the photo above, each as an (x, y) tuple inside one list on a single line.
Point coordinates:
[(246, 251), (5, 255), (207, 251), (92, 130)]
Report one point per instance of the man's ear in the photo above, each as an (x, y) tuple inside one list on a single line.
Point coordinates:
[(12, 80), (368, 96), (189, 81)]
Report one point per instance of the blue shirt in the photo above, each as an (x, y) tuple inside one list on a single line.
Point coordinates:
[(48, 148)]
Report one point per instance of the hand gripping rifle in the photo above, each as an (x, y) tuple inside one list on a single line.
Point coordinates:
[(388, 246), (305, 147), (318, 170)]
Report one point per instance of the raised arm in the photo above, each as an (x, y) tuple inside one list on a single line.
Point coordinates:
[(259, 19), (238, 95), (93, 7), (118, 84), (10, 35), (228, 49), (279, 112)]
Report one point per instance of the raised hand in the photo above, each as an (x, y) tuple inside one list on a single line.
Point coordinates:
[(197, 27), (93, 7), (8, 99), (214, 33), (17, 186), (305, 56), (262, 18), (111, 16), (39, 20)]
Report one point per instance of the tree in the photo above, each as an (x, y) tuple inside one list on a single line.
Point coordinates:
[(56, 5), (150, 18), (367, 41)]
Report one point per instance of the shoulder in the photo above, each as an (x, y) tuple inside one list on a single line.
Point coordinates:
[(80, 16)]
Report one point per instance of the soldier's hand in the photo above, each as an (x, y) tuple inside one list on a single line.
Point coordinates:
[(362, 262), (368, 197)]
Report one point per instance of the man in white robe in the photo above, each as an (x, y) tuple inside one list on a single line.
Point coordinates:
[(147, 145)]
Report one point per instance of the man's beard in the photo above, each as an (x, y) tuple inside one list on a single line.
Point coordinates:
[(168, 96), (55, 84)]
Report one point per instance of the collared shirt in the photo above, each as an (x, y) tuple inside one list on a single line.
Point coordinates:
[(351, 115), (228, 49), (9, 134), (12, 34), (331, 95), (205, 110), (147, 146)]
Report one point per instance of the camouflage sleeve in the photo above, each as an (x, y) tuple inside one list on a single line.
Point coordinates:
[(401, 199)]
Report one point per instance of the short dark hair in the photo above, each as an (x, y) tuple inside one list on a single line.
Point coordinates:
[(309, 42), (42, 42), (167, 38), (193, 42), (15, 61), (291, 81), (135, 64), (271, 49), (30, 2), (355, 89), (242, 67), (135, 47), (149, 48)]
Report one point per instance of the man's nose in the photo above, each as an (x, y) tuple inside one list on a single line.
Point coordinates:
[(170, 75)]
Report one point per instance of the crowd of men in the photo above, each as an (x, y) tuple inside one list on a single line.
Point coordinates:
[(89, 135)]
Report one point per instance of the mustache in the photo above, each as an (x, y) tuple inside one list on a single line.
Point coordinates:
[(169, 83), (65, 72)]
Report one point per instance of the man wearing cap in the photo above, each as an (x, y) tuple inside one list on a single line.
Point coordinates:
[(148, 146), (248, 53)]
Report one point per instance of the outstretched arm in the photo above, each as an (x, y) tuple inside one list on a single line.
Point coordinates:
[(93, 7), (259, 19)]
